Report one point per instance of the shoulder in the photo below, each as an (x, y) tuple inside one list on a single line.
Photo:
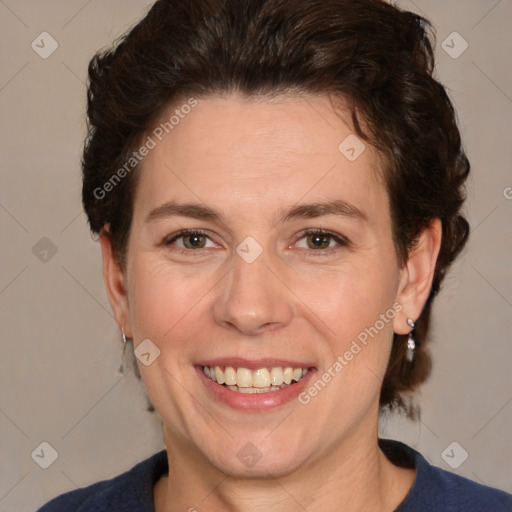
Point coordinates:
[(130, 491), (440, 490)]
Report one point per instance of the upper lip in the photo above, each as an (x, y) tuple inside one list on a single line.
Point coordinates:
[(254, 364)]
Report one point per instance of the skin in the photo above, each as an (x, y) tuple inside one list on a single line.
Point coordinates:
[(251, 160)]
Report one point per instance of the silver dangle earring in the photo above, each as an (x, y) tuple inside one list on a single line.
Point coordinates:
[(123, 366), (411, 344), (125, 340)]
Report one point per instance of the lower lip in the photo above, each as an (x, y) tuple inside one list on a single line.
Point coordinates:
[(254, 401)]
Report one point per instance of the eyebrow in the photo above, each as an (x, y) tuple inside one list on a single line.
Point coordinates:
[(336, 207)]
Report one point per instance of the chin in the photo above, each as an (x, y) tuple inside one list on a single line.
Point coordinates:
[(265, 458)]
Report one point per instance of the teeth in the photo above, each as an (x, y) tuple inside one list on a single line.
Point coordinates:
[(230, 376), (243, 377), (219, 375), (262, 380), (276, 376), (255, 390)]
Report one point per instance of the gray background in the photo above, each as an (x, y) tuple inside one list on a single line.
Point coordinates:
[(60, 352)]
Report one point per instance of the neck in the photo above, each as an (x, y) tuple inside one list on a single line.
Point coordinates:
[(355, 475)]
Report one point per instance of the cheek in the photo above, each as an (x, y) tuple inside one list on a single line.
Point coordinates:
[(164, 301), (172, 305), (356, 307), (350, 299)]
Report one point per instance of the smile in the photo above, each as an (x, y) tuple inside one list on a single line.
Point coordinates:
[(261, 380)]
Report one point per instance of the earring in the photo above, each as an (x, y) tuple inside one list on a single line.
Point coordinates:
[(411, 344), (125, 340)]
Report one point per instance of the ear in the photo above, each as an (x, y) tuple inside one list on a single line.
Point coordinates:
[(417, 275), (114, 279)]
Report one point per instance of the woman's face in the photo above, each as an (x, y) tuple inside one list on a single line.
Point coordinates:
[(254, 284)]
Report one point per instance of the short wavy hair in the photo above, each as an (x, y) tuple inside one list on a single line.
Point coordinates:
[(375, 56)]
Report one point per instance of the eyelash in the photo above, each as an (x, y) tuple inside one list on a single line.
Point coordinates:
[(342, 241)]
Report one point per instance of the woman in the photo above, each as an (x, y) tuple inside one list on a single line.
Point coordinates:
[(277, 188)]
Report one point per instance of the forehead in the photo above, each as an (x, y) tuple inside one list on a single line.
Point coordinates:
[(259, 153)]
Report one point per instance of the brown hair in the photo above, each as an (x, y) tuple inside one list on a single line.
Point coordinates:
[(376, 57)]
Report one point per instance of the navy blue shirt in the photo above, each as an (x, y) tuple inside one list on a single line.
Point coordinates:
[(434, 489)]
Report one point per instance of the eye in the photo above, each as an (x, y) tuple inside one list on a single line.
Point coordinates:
[(190, 239), (315, 241), (321, 242)]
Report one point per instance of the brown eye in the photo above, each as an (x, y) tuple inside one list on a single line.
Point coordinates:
[(190, 240), (194, 241), (319, 241)]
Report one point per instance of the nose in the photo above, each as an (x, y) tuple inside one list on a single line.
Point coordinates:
[(253, 299)]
